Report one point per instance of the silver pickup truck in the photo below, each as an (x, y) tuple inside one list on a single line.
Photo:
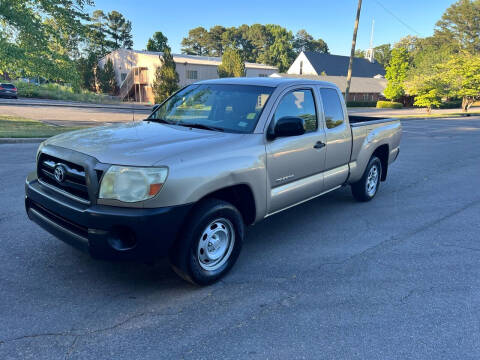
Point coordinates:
[(215, 157)]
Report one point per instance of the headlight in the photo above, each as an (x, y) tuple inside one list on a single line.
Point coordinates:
[(131, 184)]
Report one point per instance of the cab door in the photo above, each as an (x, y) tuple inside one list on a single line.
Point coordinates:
[(339, 138), (295, 164)]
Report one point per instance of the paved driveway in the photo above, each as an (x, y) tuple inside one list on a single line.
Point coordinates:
[(397, 278)]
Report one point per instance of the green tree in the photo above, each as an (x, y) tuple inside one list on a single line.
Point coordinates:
[(258, 38), (382, 54), (460, 25), (238, 38), (86, 70), (396, 74), (197, 42), (34, 35), (158, 42), (279, 51), (120, 30), (427, 89), (214, 40), (461, 74), (106, 77), (409, 43), (166, 77), (305, 42), (232, 64), (98, 41)]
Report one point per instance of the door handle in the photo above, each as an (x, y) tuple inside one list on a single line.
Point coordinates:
[(319, 145)]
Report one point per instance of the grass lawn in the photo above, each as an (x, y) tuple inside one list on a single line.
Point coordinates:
[(17, 127)]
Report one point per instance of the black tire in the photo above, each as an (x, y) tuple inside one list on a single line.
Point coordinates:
[(209, 216), (360, 189)]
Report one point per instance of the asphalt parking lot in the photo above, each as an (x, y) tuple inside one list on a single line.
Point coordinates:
[(397, 278)]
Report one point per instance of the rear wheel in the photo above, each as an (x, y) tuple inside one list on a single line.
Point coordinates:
[(366, 188), (210, 243)]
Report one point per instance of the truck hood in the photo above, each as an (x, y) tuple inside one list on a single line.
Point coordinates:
[(139, 144)]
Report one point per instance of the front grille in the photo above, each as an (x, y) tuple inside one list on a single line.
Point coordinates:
[(74, 182)]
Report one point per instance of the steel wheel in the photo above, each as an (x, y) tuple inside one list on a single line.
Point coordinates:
[(216, 244), (372, 180)]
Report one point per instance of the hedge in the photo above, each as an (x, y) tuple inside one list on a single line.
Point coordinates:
[(389, 105), (454, 104), (361, 103)]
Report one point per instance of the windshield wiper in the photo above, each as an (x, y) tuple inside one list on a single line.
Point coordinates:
[(162, 121), (200, 126)]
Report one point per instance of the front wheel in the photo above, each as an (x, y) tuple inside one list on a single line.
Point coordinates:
[(210, 243), (366, 188)]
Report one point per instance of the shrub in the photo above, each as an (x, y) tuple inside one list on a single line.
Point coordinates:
[(389, 105), (454, 104), (60, 92), (361, 103)]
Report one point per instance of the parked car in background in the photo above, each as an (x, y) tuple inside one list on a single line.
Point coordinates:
[(8, 91), (215, 157)]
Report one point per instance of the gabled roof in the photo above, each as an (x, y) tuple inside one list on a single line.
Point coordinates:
[(358, 84), (337, 65)]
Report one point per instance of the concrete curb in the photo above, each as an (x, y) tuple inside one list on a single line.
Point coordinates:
[(21, 140)]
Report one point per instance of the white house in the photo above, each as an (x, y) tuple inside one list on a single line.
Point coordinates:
[(316, 63), (135, 70)]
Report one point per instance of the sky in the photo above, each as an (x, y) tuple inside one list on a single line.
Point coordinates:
[(330, 20)]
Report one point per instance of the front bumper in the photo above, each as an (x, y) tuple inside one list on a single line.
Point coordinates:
[(106, 232)]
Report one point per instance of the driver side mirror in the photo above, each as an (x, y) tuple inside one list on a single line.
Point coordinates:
[(288, 126)]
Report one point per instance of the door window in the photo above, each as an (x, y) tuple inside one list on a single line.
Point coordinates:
[(298, 103), (332, 108)]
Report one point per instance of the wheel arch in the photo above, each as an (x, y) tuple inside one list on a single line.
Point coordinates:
[(382, 153), (239, 195)]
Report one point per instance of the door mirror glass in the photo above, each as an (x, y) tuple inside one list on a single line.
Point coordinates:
[(289, 126)]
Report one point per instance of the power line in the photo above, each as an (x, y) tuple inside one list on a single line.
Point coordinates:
[(397, 18)]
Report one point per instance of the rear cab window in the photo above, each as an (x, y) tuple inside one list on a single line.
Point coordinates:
[(332, 108)]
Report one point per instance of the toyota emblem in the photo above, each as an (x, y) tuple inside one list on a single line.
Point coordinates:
[(59, 173)]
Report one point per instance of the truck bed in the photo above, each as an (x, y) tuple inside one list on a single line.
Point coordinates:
[(355, 120), (367, 132)]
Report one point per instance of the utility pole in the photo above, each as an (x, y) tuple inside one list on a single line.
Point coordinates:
[(352, 53)]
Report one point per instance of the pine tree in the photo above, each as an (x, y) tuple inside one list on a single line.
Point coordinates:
[(106, 78), (232, 64), (158, 42), (120, 30), (166, 77)]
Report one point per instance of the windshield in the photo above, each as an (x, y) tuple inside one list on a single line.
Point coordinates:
[(232, 108)]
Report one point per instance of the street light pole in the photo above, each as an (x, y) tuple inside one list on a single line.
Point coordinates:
[(352, 53)]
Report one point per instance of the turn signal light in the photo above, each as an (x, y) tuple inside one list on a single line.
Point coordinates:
[(154, 189)]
